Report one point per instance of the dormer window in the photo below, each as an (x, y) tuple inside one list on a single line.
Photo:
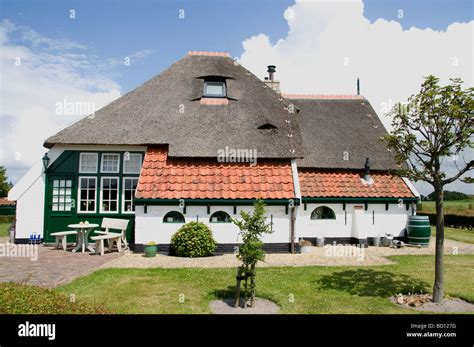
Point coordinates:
[(214, 89)]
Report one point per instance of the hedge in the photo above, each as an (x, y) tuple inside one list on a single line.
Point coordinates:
[(452, 220)]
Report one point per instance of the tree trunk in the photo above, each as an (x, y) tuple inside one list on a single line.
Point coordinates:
[(439, 257)]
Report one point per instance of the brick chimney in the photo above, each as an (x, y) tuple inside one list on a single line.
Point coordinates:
[(270, 80)]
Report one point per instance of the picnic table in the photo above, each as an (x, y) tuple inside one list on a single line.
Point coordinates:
[(83, 231)]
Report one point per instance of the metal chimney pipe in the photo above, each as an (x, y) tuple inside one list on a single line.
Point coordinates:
[(358, 86), (271, 71), (367, 170)]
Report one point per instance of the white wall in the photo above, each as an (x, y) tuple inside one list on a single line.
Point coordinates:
[(150, 226), (392, 221)]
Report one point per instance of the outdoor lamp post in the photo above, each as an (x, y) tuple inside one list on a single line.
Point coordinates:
[(45, 160)]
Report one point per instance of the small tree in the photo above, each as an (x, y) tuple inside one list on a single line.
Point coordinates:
[(252, 228), (436, 124), (5, 186)]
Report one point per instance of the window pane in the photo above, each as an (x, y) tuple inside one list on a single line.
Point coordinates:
[(214, 89), (133, 164), (110, 162), (55, 183)]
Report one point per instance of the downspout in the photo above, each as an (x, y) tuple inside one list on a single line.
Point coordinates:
[(294, 209)]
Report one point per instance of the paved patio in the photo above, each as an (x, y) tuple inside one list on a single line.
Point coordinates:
[(52, 268)]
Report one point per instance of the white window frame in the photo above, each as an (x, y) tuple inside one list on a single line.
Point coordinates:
[(79, 194), (123, 194), (102, 191), (102, 163), (141, 161), (58, 202), (96, 162)]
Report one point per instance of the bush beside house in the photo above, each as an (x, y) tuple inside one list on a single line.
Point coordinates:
[(193, 240)]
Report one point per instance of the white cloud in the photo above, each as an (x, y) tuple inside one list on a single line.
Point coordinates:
[(50, 72), (330, 44)]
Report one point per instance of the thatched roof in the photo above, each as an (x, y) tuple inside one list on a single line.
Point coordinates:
[(341, 133), (167, 110)]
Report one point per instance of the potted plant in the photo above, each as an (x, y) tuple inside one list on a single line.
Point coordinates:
[(150, 249), (305, 246)]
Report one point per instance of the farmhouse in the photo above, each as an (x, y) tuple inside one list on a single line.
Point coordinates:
[(168, 152)]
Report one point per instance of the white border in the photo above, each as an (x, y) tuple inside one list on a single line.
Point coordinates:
[(96, 162), (123, 163), (101, 191), (79, 194), (123, 194), (102, 163)]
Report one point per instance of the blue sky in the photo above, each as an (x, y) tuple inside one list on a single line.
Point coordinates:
[(83, 58), (119, 28)]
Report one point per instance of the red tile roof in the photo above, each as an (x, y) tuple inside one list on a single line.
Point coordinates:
[(205, 178), (348, 184), (6, 202), (322, 96), (209, 54), (214, 101)]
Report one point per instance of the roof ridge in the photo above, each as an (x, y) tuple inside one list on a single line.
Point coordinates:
[(209, 53), (323, 96)]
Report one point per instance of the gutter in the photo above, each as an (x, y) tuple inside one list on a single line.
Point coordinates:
[(141, 201), (294, 209)]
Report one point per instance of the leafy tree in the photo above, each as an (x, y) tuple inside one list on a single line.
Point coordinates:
[(252, 228), (437, 124), (5, 186)]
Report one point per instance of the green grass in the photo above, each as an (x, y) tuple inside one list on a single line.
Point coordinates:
[(4, 229), (314, 289), (19, 298), (461, 235), (457, 207)]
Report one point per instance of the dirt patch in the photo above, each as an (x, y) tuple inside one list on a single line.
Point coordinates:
[(261, 306), (450, 305)]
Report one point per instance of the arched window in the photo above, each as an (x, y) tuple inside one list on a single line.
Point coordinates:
[(323, 212), (220, 217), (173, 217)]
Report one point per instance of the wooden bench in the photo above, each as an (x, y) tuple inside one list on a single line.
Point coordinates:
[(111, 237), (61, 236)]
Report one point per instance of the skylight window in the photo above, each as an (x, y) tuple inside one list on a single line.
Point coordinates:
[(214, 89)]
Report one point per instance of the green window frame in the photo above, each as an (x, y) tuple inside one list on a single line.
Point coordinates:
[(220, 217), (322, 213), (174, 217)]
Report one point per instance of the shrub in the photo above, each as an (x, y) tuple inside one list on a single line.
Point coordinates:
[(193, 240), (23, 299)]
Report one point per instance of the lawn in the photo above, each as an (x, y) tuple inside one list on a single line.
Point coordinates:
[(458, 207), (4, 229), (461, 235), (315, 289)]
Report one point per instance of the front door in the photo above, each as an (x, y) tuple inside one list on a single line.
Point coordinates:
[(60, 208)]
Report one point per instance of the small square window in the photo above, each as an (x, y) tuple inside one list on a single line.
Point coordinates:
[(88, 162), (214, 89), (110, 163), (132, 163)]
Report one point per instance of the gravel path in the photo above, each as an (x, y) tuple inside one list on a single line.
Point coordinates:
[(323, 256)]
